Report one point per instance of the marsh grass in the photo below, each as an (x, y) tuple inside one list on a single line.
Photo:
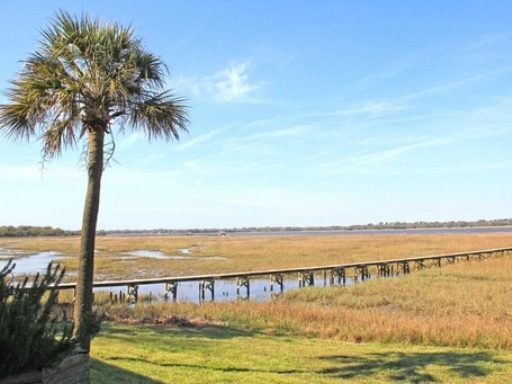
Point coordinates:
[(250, 253), (462, 305), (466, 304)]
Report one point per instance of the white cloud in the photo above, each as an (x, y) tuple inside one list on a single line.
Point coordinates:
[(228, 85), (233, 84)]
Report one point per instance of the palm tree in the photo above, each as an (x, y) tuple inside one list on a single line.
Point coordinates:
[(84, 78)]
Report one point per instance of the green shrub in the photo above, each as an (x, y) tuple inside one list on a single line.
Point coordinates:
[(30, 336)]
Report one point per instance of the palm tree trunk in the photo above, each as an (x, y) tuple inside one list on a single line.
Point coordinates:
[(82, 313)]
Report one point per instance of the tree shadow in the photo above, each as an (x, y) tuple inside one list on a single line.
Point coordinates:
[(103, 373), (227, 368), (410, 367), (220, 332)]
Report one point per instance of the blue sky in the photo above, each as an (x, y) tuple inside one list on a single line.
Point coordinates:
[(302, 113)]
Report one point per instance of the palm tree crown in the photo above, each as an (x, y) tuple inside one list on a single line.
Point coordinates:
[(83, 77)]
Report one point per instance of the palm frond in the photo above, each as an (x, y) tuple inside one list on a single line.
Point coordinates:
[(160, 116)]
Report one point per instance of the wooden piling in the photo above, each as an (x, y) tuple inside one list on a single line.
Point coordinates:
[(243, 282), (171, 287), (306, 278), (132, 291), (207, 285), (276, 278), (404, 265)]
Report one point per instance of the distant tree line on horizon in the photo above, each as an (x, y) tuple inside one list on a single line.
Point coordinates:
[(356, 227), (29, 231)]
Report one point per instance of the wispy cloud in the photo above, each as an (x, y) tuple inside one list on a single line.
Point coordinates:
[(183, 41), (380, 156), (28, 174), (360, 161), (488, 39), (228, 85), (392, 70), (290, 58), (256, 139), (297, 130), (205, 165), (369, 109), (152, 159), (386, 108), (452, 85), (263, 197), (465, 168), (201, 139), (319, 155), (204, 168), (129, 140)]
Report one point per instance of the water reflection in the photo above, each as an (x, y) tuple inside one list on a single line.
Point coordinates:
[(224, 290)]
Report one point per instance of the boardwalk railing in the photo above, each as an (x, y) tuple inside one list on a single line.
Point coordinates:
[(336, 273)]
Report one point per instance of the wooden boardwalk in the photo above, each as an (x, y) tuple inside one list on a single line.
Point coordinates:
[(336, 273)]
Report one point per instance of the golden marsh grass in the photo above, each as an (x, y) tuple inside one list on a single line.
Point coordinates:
[(250, 253)]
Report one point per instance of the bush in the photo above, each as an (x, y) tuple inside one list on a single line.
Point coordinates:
[(30, 336)]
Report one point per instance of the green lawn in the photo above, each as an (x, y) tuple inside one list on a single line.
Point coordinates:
[(138, 354)]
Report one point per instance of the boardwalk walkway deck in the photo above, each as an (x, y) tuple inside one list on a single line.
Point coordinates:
[(306, 275)]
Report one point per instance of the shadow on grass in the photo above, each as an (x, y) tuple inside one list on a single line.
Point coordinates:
[(411, 367), (102, 373), (219, 332), (212, 367)]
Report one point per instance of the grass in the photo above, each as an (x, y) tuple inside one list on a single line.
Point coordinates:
[(137, 354), (462, 305), (250, 253)]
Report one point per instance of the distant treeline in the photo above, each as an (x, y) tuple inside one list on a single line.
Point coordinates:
[(26, 230), (371, 226)]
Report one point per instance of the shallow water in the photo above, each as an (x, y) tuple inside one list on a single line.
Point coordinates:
[(31, 263), (185, 255), (225, 289), (147, 253)]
